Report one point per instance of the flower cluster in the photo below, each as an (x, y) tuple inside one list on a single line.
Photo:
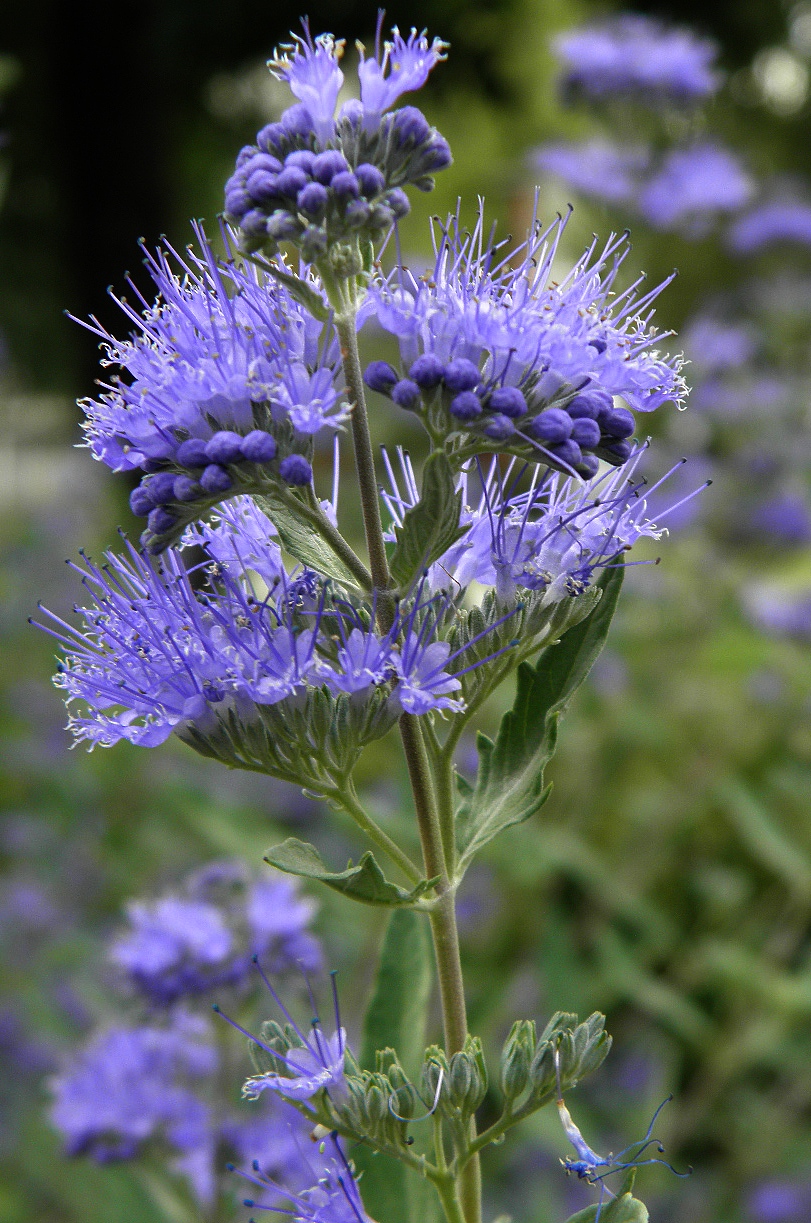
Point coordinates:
[(134, 1084), (497, 354), (692, 186), (551, 538), (224, 386), (685, 190), (637, 57), (188, 943), (318, 180), (162, 654), (156, 1082), (599, 168), (770, 223), (781, 612)]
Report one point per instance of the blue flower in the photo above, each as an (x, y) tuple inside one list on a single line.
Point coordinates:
[(403, 67), (779, 611), (692, 185), (158, 655), (310, 68), (311, 1063), (332, 1196), (552, 538), (716, 344), (129, 1085), (770, 223), (640, 57), (225, 382), (323, 181), (496, 354), (198, 648), (596, 168), (206, 935)]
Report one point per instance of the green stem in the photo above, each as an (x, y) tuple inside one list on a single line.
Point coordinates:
[(348, 799), (450, 1202), (437, 850), (364, 454)]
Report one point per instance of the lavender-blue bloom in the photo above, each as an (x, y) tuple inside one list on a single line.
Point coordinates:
[(598, 168), (318, 179), (552, 538), (785, 518), (160, 654), (206, 936), (130, 1085), (495, 320), (332, 1196), (780, 612), (226, 374), (403, 66), (771, 223), (310, 1063), (692, 186), (631, 55), (779, 1201), (714, 344)]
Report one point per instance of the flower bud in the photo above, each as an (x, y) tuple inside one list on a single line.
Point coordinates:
[(516, 1057), (405, 1102), (435, 1064), (377, 1104), (460, 1079)]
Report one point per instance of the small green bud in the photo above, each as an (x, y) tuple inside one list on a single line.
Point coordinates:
[(377, 1105), (352, 1108), (384, 1060), (480, 1082), (435, 1064), (405, 1103), (516, 1058), (542, 1070), (397, 1076), (460, 1079), (351, 1066)]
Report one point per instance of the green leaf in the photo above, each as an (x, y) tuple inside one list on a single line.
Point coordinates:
[(303, 542), (432, 525), (310, 299), (622, 1209), (364, 882), (509, 784), (395, 1018)]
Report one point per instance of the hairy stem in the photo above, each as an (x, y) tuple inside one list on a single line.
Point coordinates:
[(437, 850), (364, 455), (450, 1202)]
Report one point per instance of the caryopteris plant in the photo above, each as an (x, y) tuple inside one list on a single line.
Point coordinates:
[(249, 626)]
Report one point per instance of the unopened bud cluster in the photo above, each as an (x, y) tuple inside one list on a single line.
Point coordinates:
[(284, 190), (458, 1084), (333, 184), (527, 1075), (203, 472), (453, 397)]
